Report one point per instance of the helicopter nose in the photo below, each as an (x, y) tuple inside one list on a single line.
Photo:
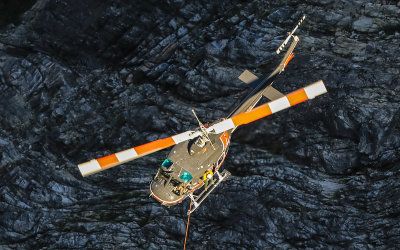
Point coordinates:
[(163, 193)]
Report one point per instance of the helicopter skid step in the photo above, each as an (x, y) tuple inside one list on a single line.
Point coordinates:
[(198, 199)]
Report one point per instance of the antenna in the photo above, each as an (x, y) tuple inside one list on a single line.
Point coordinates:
[(201, 124), (203, 129), (290, 34)]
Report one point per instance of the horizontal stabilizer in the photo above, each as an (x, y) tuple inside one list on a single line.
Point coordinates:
[(271, 93), (247, 77)]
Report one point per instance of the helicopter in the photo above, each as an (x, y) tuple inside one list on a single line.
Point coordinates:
[(193, 164)]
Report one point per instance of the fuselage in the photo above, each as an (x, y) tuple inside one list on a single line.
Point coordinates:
[(182, 172)]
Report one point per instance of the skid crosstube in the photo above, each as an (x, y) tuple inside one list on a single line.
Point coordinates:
[(198, 199)]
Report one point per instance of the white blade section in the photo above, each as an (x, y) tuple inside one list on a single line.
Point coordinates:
[(279, 104), (89, 167), (126, 155), (221, 126), (185, 136), (315, 89)]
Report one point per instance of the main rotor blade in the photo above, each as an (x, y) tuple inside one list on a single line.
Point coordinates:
[(298, 96), (100, 164), (301, 95)]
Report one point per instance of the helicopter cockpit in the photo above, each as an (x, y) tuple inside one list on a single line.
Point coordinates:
[(166, 177), (164, 174)]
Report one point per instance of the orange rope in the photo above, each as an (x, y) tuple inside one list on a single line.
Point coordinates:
[(187, 226)]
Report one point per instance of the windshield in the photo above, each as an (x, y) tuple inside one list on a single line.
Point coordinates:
[(175, 182), (164, 174), (167, 163)]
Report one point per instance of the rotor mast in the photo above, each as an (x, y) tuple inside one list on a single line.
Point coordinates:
[(203, 130)]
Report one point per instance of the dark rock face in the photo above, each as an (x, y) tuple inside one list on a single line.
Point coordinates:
[(82, 79)]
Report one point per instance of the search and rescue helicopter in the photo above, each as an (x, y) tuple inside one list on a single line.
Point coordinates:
[(195, 160)]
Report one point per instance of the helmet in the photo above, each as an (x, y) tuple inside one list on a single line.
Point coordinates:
[(208, 175)]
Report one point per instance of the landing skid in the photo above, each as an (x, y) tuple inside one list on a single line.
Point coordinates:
[(198, 199)]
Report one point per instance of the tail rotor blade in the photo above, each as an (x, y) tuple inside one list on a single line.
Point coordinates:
[(290, 35)]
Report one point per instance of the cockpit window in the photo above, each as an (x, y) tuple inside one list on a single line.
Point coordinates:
[(163, 174), (186, 176), (175, 182), (167, 163)]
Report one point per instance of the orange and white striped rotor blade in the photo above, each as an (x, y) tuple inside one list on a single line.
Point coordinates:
[(100, 164), (298, 96)]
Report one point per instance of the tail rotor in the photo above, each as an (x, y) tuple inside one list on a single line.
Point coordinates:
[(290, 34)]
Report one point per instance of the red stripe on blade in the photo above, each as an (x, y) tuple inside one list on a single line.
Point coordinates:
[(108, 161), (297, 96), (252, 115), (154, 146)]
